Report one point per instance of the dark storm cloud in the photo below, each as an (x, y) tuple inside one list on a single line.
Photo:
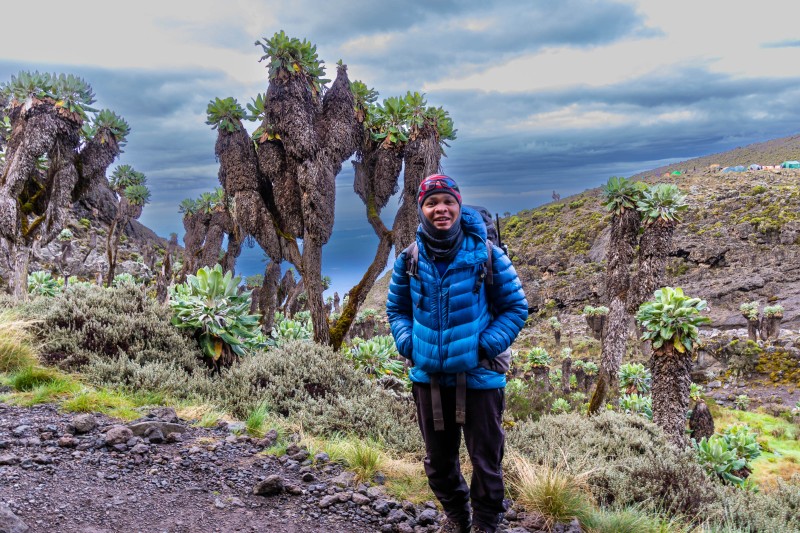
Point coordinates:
[(427, 41)]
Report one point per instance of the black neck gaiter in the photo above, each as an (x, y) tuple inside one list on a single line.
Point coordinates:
[(440, 244)]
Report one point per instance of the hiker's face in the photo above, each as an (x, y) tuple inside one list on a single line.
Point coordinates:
[(441, 209)]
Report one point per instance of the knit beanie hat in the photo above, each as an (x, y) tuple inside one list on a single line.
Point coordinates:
[(438, 184)]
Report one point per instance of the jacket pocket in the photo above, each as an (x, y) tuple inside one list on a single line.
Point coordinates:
[(499, 364)]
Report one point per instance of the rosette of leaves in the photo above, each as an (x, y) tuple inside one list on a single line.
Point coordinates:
[(554, 323), (621, 193), (65, 235), (225, 114), (595, 311), (257, 111), (637, 404), (749, 310), (42, 283), (663, 202), (634, 377), (389, 122), (124, 278), (287, 329), (377, 356), (695, 392), (742, 402), (289, 56), (125, 176), (538, 357), (773, 311), (137, 195), (590, 368), (743, 441), (719, 460), (364, 97), (107, 120), (672, 317), (209, 305), (560, 406)]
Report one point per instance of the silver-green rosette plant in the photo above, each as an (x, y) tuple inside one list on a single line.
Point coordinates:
[(671, 322), (210, 306), (42, 283)]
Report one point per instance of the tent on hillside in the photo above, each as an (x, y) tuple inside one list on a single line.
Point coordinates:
[(738, 168), (675, 173), (755, 166), (790, 164)]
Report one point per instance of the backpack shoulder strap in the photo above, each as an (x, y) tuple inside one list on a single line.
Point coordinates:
[(489, 270), (412, 259)]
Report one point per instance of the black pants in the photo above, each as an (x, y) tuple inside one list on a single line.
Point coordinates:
[(485, 439)]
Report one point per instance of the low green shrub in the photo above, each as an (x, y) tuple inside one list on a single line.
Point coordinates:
[(321, 390)]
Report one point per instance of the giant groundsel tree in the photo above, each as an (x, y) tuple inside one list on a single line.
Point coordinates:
[(643, 216), (132, 194), (53, 153), (282, 180)]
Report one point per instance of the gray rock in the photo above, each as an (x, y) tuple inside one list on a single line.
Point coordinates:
[(322, 457), (360, 499), (117, 435), (329, 500), (8, 459), (270, 486), (9, 522), (396, 516), (381, 506), (83, 423), (426, 517), (140, 429), (344, 479)]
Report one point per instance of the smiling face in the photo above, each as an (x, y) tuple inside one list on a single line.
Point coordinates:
[(441, 210)]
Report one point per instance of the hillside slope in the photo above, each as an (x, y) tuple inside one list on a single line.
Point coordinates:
[(739, 240)]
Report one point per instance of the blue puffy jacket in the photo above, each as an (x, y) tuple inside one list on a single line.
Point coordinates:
[(441, 323)]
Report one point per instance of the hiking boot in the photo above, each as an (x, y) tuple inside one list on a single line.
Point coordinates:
[(450, 526)]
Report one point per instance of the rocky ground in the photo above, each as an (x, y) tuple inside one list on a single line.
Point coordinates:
[(92, 474)]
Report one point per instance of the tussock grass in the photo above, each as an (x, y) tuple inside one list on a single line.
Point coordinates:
[(202, 415), (633, 520), (554, 492), (256, 423), (29, 377), (18, 347), (115, 403), (364, 457)]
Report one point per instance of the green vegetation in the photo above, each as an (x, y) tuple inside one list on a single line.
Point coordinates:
[(42, 283)]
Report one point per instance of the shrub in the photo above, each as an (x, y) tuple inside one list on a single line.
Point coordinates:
[(777, 509), (629, 461), (321, 390), (85, 223), (122, 279), (742, 402), (719, 460), (695, 392)]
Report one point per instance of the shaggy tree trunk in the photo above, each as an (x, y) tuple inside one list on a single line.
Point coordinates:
[(671, 384), (541, 376), (566, 373), (752, 329), (654, 247), (557, 336), (580, 379), (312, 280), (597, 324), (615, 340), (20, 256), (268, 296), (701, 422)]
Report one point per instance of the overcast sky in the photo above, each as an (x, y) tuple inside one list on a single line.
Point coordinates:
[(546, 95)]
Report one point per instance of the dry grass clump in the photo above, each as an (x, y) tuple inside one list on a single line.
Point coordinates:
[(550, 490), (321, 390), (17, 342)]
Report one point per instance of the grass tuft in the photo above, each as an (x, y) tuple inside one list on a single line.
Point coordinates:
[(17, 343), (30, 377), (256, 422), (363, 457), (555, 493)]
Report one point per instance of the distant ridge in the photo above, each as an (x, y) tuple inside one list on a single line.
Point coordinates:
[(772, 152)]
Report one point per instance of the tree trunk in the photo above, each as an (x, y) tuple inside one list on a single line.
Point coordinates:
[(580, 379), (312, 280), (701, 422), (268, 296), (566, 372), (613, 351), (752, 329), (21, 256), (112, 246), (671, 384)]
